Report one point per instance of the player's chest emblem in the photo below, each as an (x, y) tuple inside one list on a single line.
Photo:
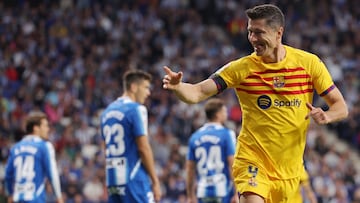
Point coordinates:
[(279, 81)]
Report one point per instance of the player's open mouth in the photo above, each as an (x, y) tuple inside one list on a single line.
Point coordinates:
[(258, 47)]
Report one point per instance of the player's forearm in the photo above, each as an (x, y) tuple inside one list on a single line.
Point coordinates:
[(190, 178), (195, 93), (337, 111), (190, 192), (187, 93), (147, 160), (60, 200), (230, 160)]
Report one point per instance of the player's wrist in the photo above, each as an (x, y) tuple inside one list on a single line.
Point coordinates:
[(155, 181)]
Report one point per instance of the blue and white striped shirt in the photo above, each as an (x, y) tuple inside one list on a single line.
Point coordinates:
[(121, 123), (31, 161)]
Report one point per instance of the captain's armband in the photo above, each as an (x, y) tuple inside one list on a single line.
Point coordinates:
[(220, 83)]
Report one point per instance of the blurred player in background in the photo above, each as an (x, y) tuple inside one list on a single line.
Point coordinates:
[(275, 86), (31, 161), (210, 158), (130, 168)]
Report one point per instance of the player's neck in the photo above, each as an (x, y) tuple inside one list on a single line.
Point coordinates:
[(277, 55), (215, 122), (129, 95)]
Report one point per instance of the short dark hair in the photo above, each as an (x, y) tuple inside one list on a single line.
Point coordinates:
[(212, 106), (273, 15), (33, 119), (134, 76)]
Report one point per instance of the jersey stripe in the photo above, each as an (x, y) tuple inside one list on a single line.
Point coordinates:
[(295, 84), (135, 169), (300, 76), (275, 92), (288, 70)]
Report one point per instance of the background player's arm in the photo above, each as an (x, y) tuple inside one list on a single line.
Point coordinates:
[(189, 93), (9, 177), (52, 171), (147, 160), (235, 198), (190, 181), (10, 199), (309, 193)]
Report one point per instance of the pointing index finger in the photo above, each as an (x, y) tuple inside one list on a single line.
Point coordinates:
[(311, 107), (167, 70)]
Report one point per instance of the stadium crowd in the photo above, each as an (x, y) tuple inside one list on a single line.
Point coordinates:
[(66, 58)]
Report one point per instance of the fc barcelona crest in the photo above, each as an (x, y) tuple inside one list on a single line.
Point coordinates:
[(253, 171), (253, 182), (279, 81)]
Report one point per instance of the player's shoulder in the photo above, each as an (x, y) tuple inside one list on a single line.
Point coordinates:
[(196, 135), (244, 60), (32, 143), (296, 52), (124, 105), (230, 135), (39, 142), (45, 144), (228, 132)]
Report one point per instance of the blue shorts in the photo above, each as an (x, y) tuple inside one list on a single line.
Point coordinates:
[(135, 192)]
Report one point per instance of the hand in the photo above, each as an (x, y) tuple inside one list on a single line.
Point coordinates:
[(60, 200), (191, 199), (235, 198), (171, 79), (319, 116), (157, 191), (10, 199)]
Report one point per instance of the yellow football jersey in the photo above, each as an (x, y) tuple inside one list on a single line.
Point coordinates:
[(273, 99)]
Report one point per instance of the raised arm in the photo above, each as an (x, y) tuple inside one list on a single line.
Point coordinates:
[(337, 108), (189, 93)]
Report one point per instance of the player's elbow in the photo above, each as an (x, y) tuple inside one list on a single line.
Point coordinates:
[(143, 151), (344, 112)]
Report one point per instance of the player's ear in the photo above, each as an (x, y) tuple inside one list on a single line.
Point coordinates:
[(133, 87), (280, 32), (35, 129)]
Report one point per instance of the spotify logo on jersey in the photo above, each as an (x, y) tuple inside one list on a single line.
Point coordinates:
[(264, 101)]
